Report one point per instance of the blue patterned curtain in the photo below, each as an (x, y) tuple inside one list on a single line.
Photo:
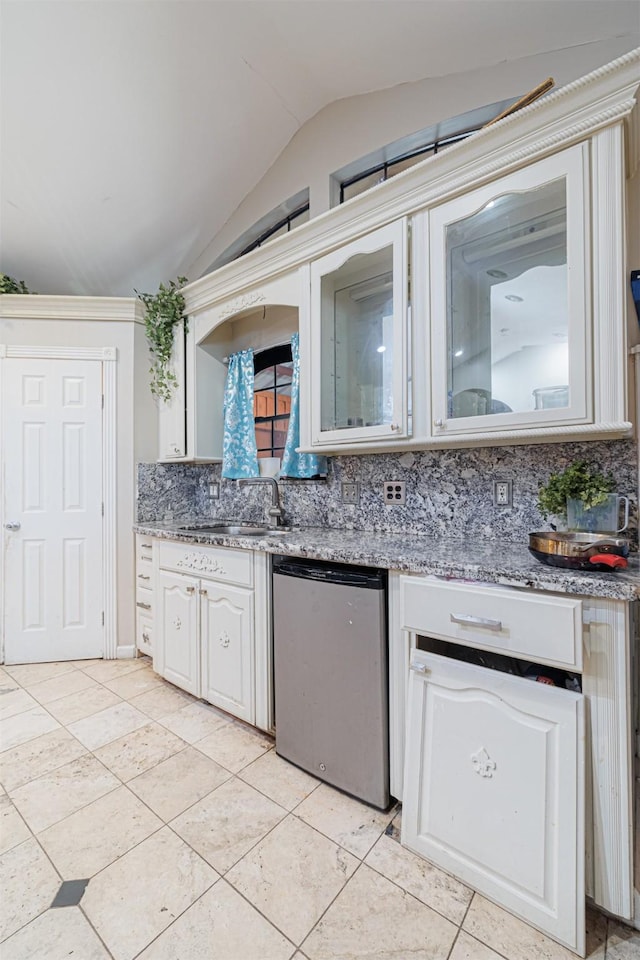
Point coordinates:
[(239, 453), (298, 464)]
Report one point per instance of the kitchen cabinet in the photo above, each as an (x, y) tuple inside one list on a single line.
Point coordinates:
[(172, 433), (144, 595), (358, 318), (568, 817), (213, 626), (509, 280), (494, 789)]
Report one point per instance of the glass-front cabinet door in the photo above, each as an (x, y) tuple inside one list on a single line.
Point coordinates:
[(510, 311), (358, 339)]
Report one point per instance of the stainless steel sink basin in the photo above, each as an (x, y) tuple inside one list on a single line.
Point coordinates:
[(236, 529)]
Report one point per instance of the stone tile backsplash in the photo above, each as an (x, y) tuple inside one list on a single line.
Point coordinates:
[(449, 493)]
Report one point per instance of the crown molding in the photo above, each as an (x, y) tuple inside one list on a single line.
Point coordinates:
[(37, 307), (574, 112)]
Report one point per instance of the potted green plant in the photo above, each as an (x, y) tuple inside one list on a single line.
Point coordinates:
[(165, 310), (571, 495), (11, 285)]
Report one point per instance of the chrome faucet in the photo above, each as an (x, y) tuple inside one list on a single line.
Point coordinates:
[(275, 513)]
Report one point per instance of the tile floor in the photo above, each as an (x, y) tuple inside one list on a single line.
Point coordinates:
[(138, 822)]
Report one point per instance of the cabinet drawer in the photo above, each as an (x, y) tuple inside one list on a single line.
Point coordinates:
[(144, 632), (220, 563), (144, 601), (539, 627), (144, 553)]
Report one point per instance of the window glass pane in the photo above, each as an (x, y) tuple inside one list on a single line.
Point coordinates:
[(300, 218), (280, 428), (283, 400), (263, 379), (284, 373), (354, 189), (401, 165), (264, 403), (263, 437), (507, 305), (277, 233)]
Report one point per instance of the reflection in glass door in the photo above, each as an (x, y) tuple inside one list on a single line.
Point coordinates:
[(507, 305)]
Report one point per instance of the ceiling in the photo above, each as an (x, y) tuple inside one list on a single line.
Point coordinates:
[(132, 129)]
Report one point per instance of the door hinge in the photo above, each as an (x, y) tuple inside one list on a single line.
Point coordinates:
[(103, 618), (103, 509)]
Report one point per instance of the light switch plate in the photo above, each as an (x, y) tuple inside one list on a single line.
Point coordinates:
[(350, 491)]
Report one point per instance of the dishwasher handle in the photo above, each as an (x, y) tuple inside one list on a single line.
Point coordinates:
[(358, 577)]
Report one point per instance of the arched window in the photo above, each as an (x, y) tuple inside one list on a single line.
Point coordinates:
[(273, 370)]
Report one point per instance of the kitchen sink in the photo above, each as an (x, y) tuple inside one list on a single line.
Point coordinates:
[(236, 529)]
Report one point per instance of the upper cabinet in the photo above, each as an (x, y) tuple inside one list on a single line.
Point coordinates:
[(357, 385), (510, 311)]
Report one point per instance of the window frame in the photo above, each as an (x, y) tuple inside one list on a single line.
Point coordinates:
[(263, 360)]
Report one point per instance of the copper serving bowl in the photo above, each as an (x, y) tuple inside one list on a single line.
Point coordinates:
[(579, 551)]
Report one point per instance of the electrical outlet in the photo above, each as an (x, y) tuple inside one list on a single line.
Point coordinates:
[(502, 493), (350, 491), (394, 492)]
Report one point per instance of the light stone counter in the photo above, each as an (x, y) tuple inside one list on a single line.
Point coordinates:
[(488, 561)]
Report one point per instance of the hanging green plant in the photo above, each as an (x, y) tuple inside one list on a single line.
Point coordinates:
[(11, 285), (577, 482), (165, 309)]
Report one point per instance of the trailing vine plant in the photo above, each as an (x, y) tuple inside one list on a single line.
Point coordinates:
[(11, 285), (165, 309), (577, 482)]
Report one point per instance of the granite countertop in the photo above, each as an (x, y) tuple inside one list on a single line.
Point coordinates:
[(488, 561)]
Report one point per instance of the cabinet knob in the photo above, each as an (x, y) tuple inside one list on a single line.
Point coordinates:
[(145, 637), (190, 589), (203, 593)]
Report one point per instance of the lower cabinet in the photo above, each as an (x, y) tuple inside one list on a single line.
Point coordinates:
[(213, 627), (494, 788), (226, 628)]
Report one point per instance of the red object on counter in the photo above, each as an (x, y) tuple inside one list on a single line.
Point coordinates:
[(610, 559)]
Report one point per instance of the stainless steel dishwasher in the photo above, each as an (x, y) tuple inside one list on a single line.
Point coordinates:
[(330, 666)]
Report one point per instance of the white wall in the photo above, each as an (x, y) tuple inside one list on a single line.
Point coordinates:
[(356, 126)]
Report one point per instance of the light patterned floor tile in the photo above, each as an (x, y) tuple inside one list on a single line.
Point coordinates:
[(104, 670), (84, 704), (159, 878), (234, 746), (24, 727), (357, 924), (27, 674), (161, 701), (139, 751), (134, 683), (177, 783), (58, 687), (58, 794), (227, 823), (194, 721), (623, 943), (220, 926), (56, 935), (13, 829), (278, 779), (39, 756), (15, 700), (352, 824), (292, 876), (108, 725), (95, 836), (468, 948), (28, 883), (419, 877), (516, 940)]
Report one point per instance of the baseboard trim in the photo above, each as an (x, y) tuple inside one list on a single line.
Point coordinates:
[(126, 653)]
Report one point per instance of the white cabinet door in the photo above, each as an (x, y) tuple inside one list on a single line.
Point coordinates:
[(227, 648), (172, 436), (358, 340), (510, 303), (494, 789), (177, 657)]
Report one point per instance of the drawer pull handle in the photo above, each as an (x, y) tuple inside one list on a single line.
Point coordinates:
[(190, 589), (144, 576), (145, 637), (145, 606), (203, 592), (467, 620)]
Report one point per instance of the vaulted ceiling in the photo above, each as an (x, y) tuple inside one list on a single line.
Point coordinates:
[(130, 131)]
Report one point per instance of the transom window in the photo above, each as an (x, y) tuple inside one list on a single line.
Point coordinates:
[(273, 374)]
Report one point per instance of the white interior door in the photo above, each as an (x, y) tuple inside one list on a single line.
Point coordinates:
[(52, 460)]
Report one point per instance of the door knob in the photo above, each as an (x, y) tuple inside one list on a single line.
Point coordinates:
[(12, 525)]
